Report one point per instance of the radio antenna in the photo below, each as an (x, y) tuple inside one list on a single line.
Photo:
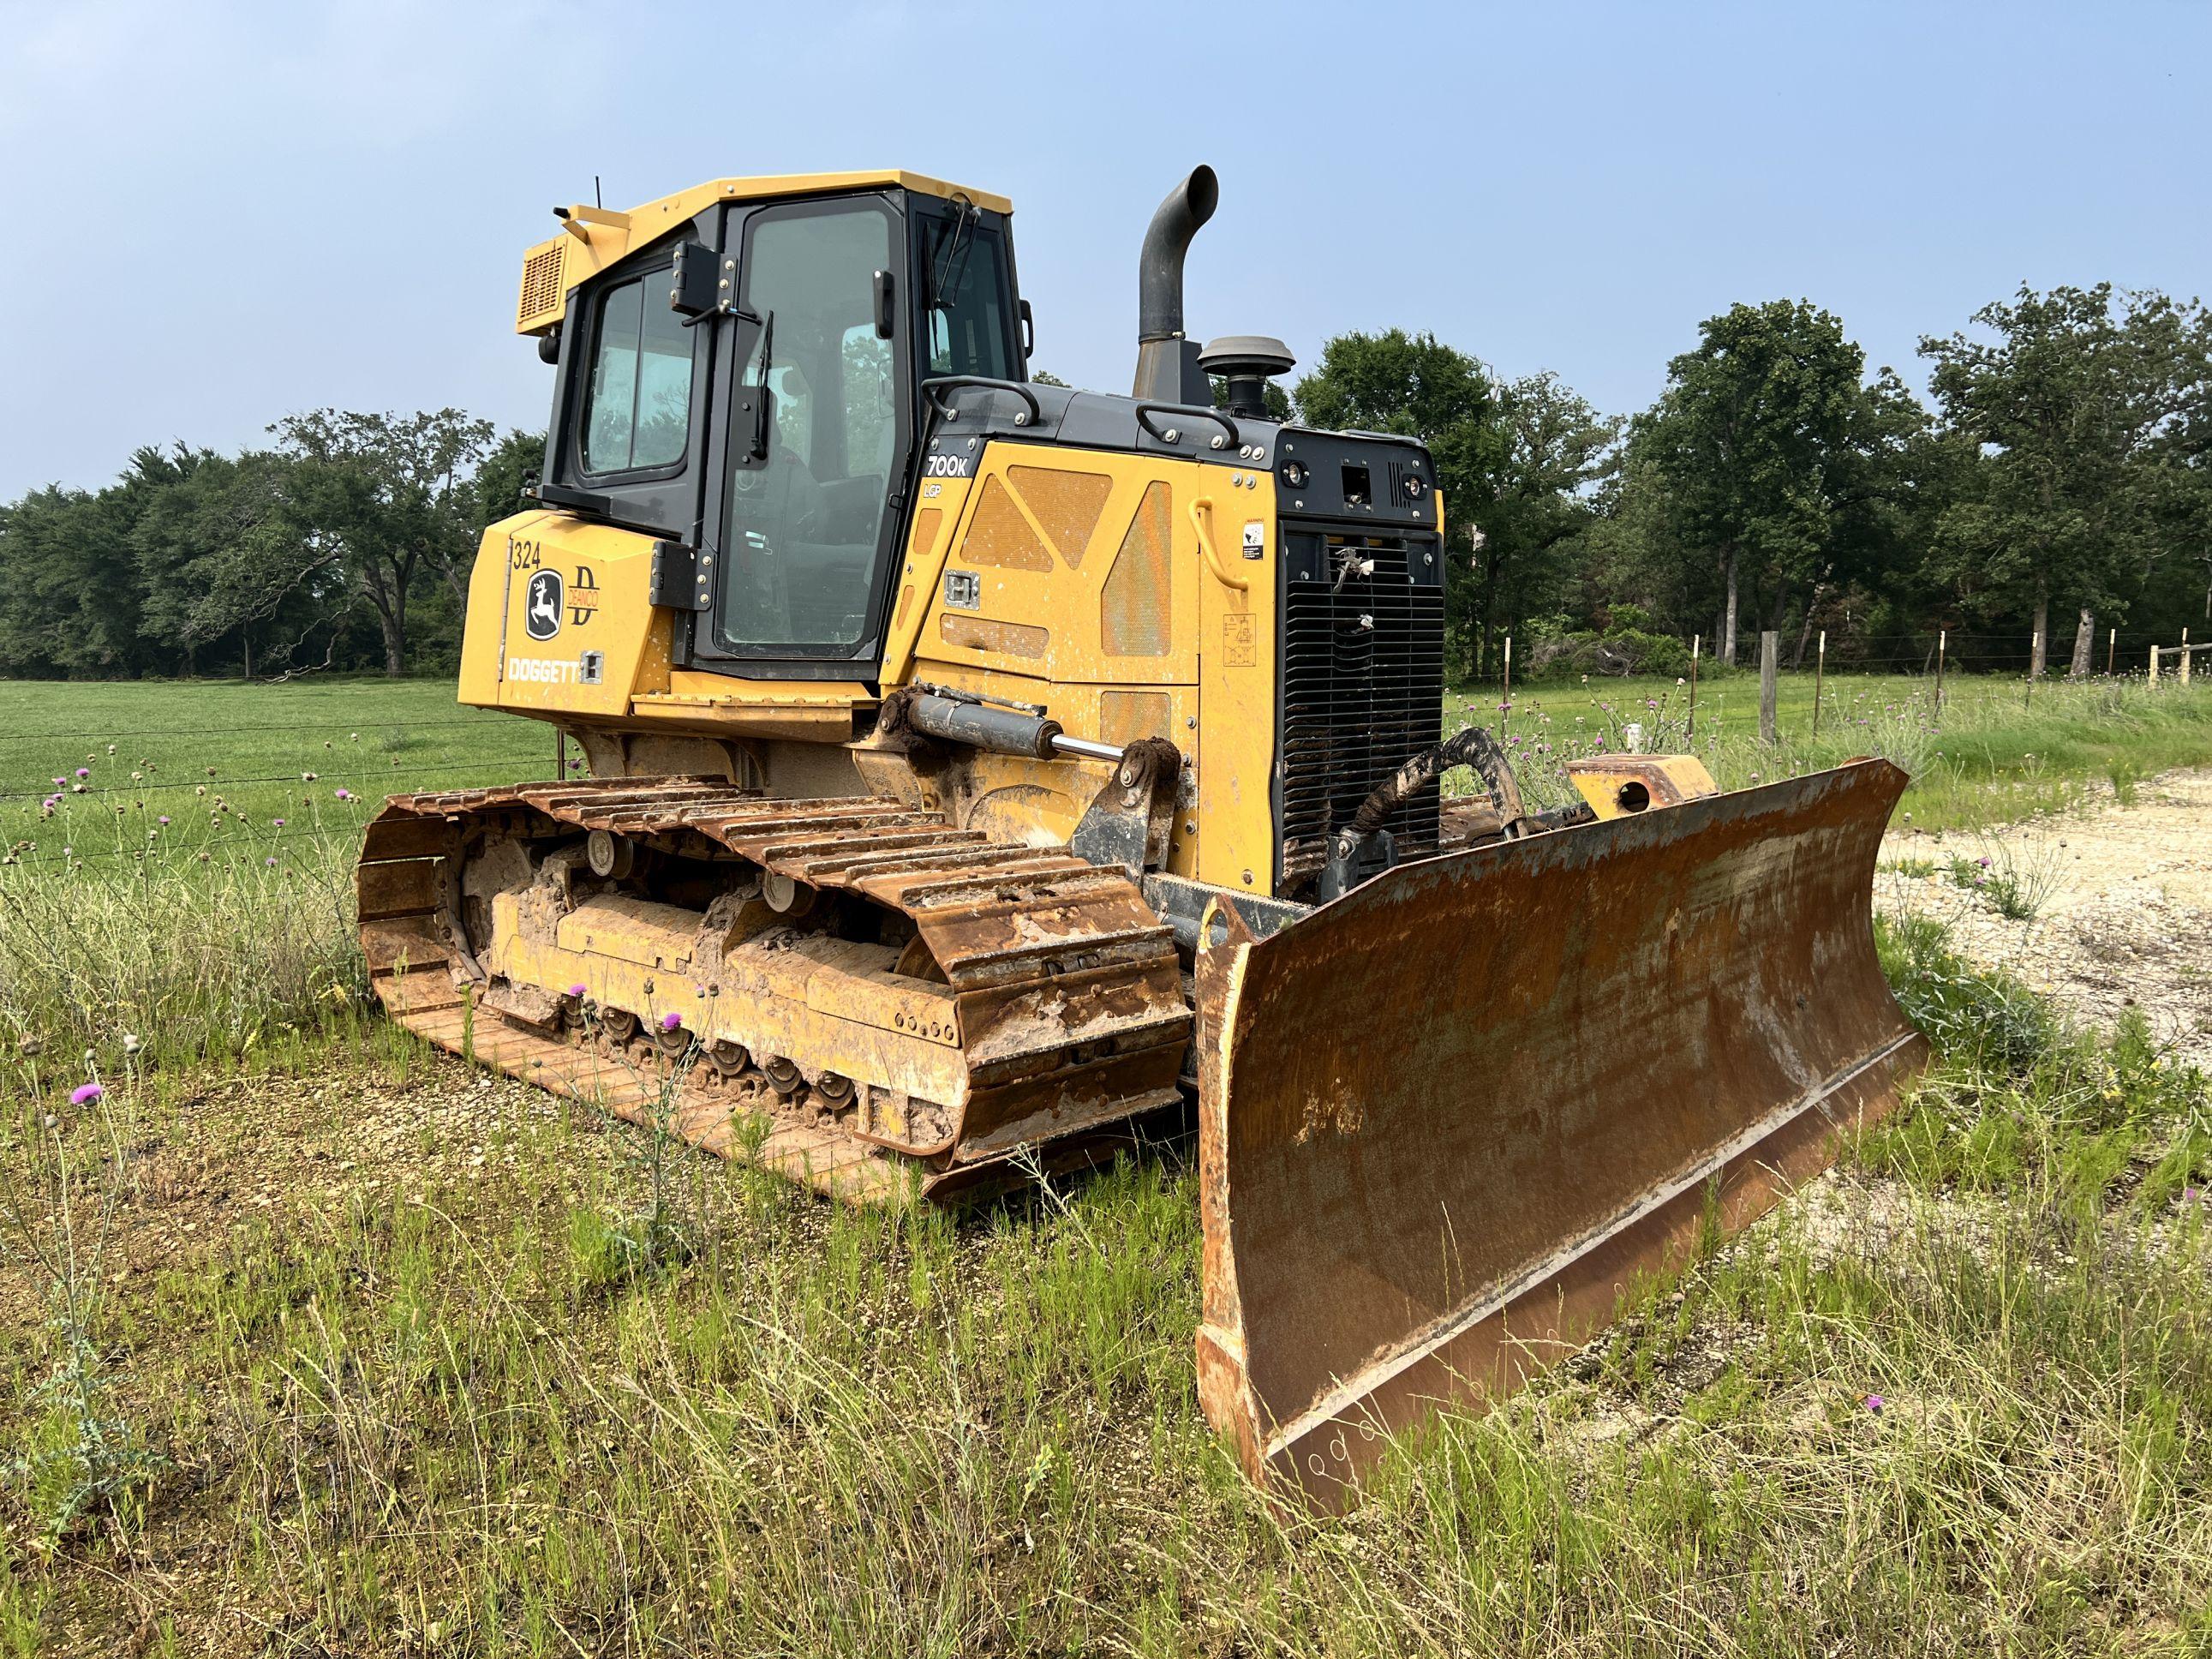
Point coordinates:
[(596, 202)]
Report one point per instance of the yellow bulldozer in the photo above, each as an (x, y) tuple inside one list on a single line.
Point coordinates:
[(973, 768)]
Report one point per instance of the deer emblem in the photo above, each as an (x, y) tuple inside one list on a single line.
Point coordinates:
[(541, 614)]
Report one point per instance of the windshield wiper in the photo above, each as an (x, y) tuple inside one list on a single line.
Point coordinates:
[(957, 242), (759, 451)]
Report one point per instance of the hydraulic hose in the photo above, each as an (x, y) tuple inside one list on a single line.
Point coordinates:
[(1475, 747)]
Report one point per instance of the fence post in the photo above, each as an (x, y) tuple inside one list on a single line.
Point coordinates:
[(2112, 651), (2184, 656), (560, 753), (1770, 661), (1505, 702), (1820, 668), (2154, 664), (1942, 638), (1690, 736), (2035, 656)]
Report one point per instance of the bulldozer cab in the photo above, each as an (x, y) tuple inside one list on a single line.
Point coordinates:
[(749, 389)]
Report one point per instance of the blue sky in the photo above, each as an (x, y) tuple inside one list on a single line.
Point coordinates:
[(220, 213)]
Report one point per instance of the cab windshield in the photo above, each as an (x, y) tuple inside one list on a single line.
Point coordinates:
[(804, 521)]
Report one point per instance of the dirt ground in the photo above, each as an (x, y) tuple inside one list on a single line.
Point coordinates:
[(2122, 897)]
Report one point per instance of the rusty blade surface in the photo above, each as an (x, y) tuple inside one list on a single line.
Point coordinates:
[(1447, 1120)]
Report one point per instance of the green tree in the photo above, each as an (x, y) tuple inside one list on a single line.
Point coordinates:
[(387, 498), (1554, 449), (1747, 448), (2078, 414), (218, 556), (515, 462)]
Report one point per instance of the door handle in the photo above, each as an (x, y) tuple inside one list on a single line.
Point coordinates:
[(1201, 512)]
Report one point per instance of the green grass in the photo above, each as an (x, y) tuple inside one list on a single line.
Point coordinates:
[(1991, 755), (151, 752), (194, 887), (372, 1360), (426, 1404)]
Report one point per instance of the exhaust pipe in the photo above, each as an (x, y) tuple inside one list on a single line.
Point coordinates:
[(1167, 364)]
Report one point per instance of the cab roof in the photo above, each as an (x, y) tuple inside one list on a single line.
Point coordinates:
[(591, 238)]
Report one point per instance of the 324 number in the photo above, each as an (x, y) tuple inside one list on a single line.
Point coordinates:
[(522, 554)]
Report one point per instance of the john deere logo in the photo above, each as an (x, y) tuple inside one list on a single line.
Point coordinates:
[(541, 606)]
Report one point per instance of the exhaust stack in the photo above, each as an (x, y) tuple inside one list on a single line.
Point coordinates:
[(1167, 364)]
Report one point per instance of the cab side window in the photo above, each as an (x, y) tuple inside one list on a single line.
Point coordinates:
[(969, 319), (637, 411)]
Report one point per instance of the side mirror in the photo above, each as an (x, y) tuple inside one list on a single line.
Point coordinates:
[(692, 279), (1029, 331), (886, 304)]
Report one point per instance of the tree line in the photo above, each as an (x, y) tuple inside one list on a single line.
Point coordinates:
[(346, 544), (2058, 476), (2057, 485)]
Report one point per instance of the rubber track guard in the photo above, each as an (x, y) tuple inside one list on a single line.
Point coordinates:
[(1446, 1121)]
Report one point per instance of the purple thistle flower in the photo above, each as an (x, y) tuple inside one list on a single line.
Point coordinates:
[(345, 794), (165, 817), (84, 771), (671, 1022), (271, 863), (277, 823), (579, 991), (1873, 1403), (85, 1093), (1983, 862)]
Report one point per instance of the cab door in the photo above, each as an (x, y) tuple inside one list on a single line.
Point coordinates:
[(814, 446)]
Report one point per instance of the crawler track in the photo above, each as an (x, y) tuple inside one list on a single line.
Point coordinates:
[(900, 1003)]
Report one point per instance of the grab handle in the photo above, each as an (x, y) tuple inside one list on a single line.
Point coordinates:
[(1202, 510)]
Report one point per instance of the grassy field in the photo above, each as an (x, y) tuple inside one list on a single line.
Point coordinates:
[(237, 771), (187, 880), (319, 1343), (357, 1354)]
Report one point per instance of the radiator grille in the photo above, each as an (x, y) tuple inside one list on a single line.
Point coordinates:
[(1360, 697)]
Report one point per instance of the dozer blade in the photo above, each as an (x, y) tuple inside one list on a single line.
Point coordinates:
[(1448, 1119)]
